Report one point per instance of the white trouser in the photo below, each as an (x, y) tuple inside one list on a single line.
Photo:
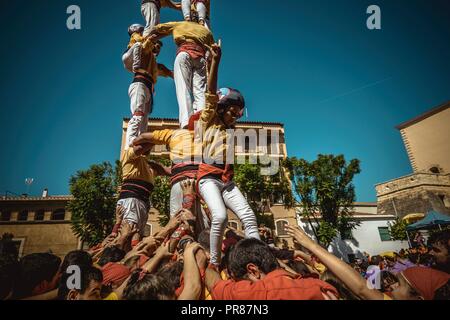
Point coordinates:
[(151, 15), (190, 80), (136, 213), (176, 204), (199, 7), (220, 196), (140, 102)]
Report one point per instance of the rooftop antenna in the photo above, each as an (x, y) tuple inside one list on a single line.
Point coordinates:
[(29, 182)]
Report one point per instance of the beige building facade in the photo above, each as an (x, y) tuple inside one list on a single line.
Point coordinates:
[(38, 224), (427, 142)]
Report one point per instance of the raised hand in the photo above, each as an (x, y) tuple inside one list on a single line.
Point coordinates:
[(188, 186), (299, 235), (216, 51), (127, 230), (163, 251), (175, 221), (192, 248)]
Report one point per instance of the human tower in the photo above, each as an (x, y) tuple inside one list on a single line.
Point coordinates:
[(198, 149)]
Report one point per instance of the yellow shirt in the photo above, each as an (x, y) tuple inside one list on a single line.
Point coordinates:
[(136, 167), (215, 136), (320, 267), (181, 144), (112, 296), (148, 63), (183, 31)]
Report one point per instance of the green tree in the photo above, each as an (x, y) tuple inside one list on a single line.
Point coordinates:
[(160, 196), (263, 191), (397, 229), (324, 188), (95, 196)]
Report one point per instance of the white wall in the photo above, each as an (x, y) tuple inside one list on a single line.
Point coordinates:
[(366, 239)]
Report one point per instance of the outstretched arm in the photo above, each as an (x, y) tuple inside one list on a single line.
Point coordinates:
[(216, 55), (163, 30), (163, 71), (342, 270), (192, 278)]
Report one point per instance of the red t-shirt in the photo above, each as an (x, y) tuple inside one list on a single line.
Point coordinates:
[(277, 285)]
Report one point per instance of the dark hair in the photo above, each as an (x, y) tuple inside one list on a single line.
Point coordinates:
[(375, 260), (87, 273), (111, 254), (9, 273), (388, 277), (343, 291), (160, 42), (149, 287), (442, 237), (251, 251), (171, 274), (77, 258), (34, 269), (414, 257), (443, 293), (299, 267), (226, 258), (204, 239)]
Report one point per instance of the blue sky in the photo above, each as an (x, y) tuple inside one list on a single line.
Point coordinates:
[(313, 65)]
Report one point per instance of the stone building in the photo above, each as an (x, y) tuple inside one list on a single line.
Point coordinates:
[(39, 224), (427, 142)]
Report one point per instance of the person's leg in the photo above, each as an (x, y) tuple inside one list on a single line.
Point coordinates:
[(142, 210), (237, 203), (139, 97), (186, 8), (148, 110), (151, 15), (201, 10), (176, 199), (183, 83), (211, 191), (199, 81)]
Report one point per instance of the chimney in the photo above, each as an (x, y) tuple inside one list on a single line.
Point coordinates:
[(45, 193)]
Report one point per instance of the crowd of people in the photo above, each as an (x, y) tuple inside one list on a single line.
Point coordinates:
[(196, 256), (174, 264)]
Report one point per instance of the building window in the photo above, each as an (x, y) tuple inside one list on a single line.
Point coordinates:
[(23, 216), (384, 234), (39, 215), (233, 224), (19, 243), (435, 170), (281, 225), (58, 215), (5, 216)]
